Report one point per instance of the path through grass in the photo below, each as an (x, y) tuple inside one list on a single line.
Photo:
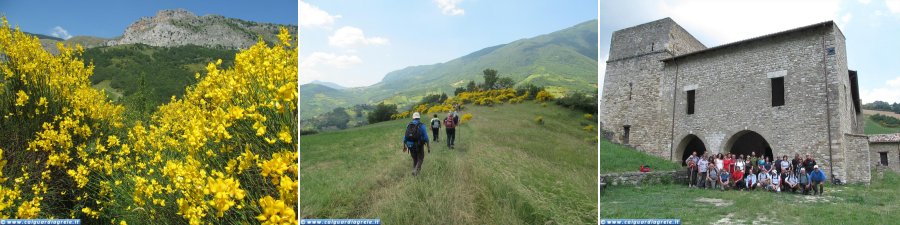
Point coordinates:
[(505, 169)]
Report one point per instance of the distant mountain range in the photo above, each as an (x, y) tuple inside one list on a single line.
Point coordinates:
[(563, 61), (179, 27), (328, 84)]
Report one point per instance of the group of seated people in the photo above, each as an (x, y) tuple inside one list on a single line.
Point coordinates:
[(737, 172)]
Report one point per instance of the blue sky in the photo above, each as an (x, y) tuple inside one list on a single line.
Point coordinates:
[(110, 18), (871, 27), (355, 43)]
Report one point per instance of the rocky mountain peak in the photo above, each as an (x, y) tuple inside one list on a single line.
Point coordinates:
[(176, 27)]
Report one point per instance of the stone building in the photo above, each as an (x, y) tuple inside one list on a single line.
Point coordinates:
[(885, 150), (784, 93)]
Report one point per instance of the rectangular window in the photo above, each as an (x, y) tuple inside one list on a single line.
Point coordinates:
[(625, 134), (777, 91), (690, 101), (883, 157)]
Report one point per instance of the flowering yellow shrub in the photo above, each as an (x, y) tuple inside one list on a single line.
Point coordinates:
[(223, 153), (465, 118), (543, 96)]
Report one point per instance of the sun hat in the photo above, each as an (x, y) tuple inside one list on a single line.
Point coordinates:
[(416, 115)]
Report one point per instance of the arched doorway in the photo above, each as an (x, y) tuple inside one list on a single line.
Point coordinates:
[(689, 145), (746, 142)]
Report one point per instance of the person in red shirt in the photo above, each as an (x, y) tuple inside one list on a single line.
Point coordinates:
[(728, 162), (738, 179)]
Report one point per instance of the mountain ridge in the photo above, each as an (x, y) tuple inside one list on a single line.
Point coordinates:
[(564, 61)]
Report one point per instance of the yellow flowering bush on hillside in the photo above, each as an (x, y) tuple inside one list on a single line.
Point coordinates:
[(224, 153)]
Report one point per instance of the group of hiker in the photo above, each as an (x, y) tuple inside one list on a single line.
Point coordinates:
[(415, 140), (752, 172)]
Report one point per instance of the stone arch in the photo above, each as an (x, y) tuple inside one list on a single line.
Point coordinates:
[(746, 141), (688, 144)]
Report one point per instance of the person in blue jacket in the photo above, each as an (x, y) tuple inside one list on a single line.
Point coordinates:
[(415, 138), (818, 180)]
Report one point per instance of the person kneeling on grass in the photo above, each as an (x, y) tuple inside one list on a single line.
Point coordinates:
[(776, 181), (817, 178), (737, 180), (804, 181), (723, 179), (750, 179), (764, 181), (792, 182)]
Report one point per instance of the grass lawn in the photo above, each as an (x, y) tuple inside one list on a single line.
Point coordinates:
[(505, 169), (874, 128), (850, 204), (619, 158)]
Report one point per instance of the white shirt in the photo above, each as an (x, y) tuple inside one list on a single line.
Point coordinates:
[(719, 164)]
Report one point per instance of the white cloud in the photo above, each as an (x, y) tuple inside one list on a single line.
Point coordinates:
[(448, 7), (893, 5), (60, 33), (329, 59), (349, 36), (865, 2), (891, 93), (729, 21), (844, 21), (312, 66), (311, 16)]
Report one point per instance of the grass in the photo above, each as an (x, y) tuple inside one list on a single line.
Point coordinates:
[(619, 158), (873, 127), (851, 204), (505, 169)]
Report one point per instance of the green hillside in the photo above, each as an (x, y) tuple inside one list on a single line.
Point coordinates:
[(873, 127), (505, 169), (316, 99), (563, 61), (619, 158), (166, 71)]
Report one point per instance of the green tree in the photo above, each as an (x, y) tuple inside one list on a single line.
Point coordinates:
[(382, 112), (504, 83), (490, 78), (471, 86)]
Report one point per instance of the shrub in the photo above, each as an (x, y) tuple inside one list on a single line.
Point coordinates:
[(588, 128), (383, 112), (579, 101), (465, 118), (308, 132), (539, 120), (543, 96), (886, 121), (589, 116)]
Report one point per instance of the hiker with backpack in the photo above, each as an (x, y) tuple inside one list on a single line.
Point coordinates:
[(435, 127), (450, 125), (414, 139)]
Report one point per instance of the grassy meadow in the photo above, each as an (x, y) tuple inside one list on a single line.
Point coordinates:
[(505, 169), (849, 204)]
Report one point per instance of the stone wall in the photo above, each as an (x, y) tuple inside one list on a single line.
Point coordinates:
[(631, 95), (857, 168), (638, 178), (893, 154)]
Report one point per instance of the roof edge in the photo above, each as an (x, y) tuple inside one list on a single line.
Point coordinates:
[(803, 28)]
